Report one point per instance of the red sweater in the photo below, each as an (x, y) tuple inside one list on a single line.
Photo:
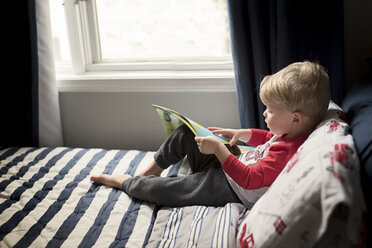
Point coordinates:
[(259, 168)]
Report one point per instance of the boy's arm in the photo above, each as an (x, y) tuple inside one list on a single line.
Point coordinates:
[(210, 145), (259, 137), (261, 174), (232, 134)]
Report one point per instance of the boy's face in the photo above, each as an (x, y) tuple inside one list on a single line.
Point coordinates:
[(278, 118)]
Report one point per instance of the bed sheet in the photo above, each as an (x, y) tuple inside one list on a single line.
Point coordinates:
[(47, 199), (197, 226)]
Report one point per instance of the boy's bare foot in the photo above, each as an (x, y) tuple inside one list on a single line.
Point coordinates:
[(114, 181), (152, 169)]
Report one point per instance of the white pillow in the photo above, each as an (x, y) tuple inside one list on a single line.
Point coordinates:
[(316, 199)]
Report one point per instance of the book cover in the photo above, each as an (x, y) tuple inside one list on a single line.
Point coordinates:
[(172, 119)]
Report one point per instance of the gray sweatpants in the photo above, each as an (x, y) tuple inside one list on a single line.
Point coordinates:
[(205, 185)]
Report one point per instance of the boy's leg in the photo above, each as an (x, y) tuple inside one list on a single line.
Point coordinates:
[(114, 181), (152, 169), (182, 143), (209, 188), (207, 185)]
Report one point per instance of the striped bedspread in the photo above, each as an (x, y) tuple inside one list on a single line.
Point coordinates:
[(197, 226), (47, 200)]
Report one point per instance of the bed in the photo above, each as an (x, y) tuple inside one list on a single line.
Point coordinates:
[(47, 200)]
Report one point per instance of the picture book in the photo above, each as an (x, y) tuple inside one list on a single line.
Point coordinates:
[(172, 119)]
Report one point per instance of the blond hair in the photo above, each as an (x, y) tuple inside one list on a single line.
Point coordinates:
[(302, 86)]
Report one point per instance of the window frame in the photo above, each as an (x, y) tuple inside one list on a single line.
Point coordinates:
[(82, 28)]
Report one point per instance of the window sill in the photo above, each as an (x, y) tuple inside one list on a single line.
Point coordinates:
[(149, 81)]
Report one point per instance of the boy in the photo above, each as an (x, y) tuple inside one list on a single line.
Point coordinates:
[(296, 99)]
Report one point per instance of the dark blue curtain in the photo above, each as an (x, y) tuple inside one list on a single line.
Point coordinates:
[(267, 35), (19, 87)]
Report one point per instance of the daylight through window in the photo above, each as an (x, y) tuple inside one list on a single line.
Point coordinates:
[(126, 31), (163, 29)]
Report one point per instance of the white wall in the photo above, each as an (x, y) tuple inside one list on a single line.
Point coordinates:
[(126, 120)]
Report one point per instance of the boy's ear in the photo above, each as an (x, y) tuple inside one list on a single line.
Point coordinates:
[(297, 117)]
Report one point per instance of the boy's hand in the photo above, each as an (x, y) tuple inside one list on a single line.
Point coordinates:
[(207, 145), (232, 134), (211, 145)]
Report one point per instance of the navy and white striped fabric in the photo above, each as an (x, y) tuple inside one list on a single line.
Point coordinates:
[(47, 199), (196, 226)]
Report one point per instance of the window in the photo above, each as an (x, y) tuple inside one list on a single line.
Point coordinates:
[(61, 46), (141, 35)]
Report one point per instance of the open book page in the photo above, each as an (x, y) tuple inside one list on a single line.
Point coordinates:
[(172, 119)]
